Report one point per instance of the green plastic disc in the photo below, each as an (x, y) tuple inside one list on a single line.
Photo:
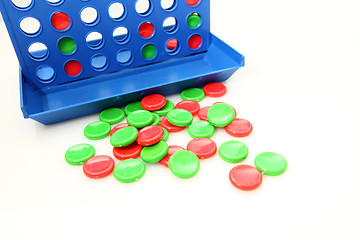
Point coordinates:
[(124, 137), (67, 45), (270, 163), (180, 117), (156, 119), (112, 115), (165, 109), (149, 51), (154, 153), (78, 154), (166, 135), (129, 170), (97, 130), (195, 94), (233, 151), (184, 164), (132, 107), (193, 20), (201, 129), (220, 115), (140, 118)]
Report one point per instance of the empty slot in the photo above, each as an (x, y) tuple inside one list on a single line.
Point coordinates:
[(195, 41), (170, 25), (143, 7), (99, 62), (67, 45), (149, 51), (55, 2), (192, 2), (168, 4), (124, 56), (22, 3), (172, 46), (73, 68), (194, 20), (146, 30), (121, 34), (38, 51), (94, 40), (45, 73), (60, 21), (89, 15), (30, 25), (116, 10)]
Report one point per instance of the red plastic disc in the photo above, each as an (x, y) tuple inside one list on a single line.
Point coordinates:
[(192, 2), (98, 166), (153, 102), (239, 128), (73, 68), (131, 151), (202, 114), (214, 89), (146, 29), (195, 41), (169, 127), (189, 105), (117, 127), (229, 105), (202, 147), (172, 150), (60, 21), (172, 44), (150, 135), (245, 177)]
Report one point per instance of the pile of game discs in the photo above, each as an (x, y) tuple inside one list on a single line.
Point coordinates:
[(144, 136)]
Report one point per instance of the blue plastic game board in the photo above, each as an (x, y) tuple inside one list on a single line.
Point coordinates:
[(78, 57)]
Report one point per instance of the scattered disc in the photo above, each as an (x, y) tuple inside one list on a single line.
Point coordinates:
[(245, 177), (239, 128), (180, 117), (202, 147), (129, 170), (155, 153), (233, 151), (220, 114), (153, 102), (140, 118), (112, 115), (270, 163), (229, 105), (131, 151), (172, 150), (169, 127), (97, 130), (201, 129), (78, 154), (215, 89), (165, 109), (124, 137), (195, 94), (117, 127), (156, 119), (98, 166), (184, 164), (150, 135), (189, 105), (202, 114), (132, 107), (166, 135)]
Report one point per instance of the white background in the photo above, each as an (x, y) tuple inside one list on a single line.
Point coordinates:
[(299, 88)]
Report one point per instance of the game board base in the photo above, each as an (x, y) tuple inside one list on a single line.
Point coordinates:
[(88, 96)]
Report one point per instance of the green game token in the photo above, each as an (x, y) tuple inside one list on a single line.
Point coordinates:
[(233, 151), (156, 119), (78, 154), (67, 45), (180, 117), (166, 135), (165, 109), (112, 115), (140, 118), (220, 115), (154, 153), (132, 107), (201, 129), (129, 170), (195, 94), (193, 20), (270, 163), (149, 51), (97, 130), (184, 164), (124, 137)]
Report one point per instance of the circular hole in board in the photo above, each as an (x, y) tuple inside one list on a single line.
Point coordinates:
[(67, 45), (45, 73), (143, 7), (60, 21), (73, 68), (195, 41), (193, 20), (99, 62), (124, 57), (121, 34), (94, 40), (192, 2), (146, 30), (30, 25), (168, 4), (172, 46), (149, 51), (55, 2), (89, 15), (22, 4), (116, 11), (170, 25), (38, 51)]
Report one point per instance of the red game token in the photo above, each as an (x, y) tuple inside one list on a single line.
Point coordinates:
[(153, 102), (229, 105), (202, 147), (245, 177), (239, 128), (189, 105), (117, 127), (169, 127), (214, 89), (150, 135), (172, 150), (98, 166), (202, 114), (131, 151)]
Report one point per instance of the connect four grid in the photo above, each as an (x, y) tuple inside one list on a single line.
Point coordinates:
[(61, 41)]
